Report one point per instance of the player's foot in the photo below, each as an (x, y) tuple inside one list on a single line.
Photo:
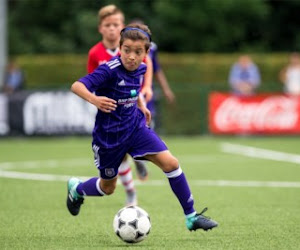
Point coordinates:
[(131, 198), (141, 170), (199, 221), (74, 200)]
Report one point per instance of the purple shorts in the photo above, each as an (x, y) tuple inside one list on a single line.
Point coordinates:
[(144, 141)]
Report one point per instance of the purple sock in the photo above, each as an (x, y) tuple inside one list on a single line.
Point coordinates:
[(90, 187), (181, 189)]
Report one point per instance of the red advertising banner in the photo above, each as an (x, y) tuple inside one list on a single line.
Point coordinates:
[(260, 114)]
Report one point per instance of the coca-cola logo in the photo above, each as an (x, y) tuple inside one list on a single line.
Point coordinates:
[(271, 113)]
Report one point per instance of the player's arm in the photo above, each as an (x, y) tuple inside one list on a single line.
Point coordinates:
[(163, 82), (148, 77), (103, 103), (141, 102)]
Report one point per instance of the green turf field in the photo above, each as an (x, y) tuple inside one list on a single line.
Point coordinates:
[(250, 185)]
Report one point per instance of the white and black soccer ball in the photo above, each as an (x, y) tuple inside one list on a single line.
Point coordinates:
[(132, 224)]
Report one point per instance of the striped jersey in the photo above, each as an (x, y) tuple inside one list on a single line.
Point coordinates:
[(114, 81)]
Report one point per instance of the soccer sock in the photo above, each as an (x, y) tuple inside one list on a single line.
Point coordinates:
[(126, 176), (181, 189), (90, 187)]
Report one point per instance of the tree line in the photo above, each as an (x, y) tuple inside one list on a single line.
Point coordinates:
[(70, 26)]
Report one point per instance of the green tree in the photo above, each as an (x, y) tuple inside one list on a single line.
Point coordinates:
[(52, 26), (210, 25)]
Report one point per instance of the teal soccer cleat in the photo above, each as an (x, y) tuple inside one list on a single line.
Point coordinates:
[(199, 221), (74, 200)]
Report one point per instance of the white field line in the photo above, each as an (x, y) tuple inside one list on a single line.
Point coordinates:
[(211, 183), (54, 163), (50, 163), (259, 153)]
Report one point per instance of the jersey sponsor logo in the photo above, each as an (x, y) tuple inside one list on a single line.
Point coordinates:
[(121, 83), (113, 64), (128, 102)]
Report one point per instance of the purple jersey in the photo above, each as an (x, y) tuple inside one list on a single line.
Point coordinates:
[(153, 56), (114, 81), (156, 67)]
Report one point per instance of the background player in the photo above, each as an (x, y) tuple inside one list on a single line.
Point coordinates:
[(160, 78)]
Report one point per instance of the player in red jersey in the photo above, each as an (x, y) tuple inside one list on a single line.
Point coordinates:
[(99, 54), (111, 22)]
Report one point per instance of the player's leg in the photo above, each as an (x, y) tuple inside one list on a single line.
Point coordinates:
[(169, 164), (125, 175), (92, 187), (147, 145), (141, 170), (96, 186)]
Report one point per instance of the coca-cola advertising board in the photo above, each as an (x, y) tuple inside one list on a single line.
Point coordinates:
[(259, 114)]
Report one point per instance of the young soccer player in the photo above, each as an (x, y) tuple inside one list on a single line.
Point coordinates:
[(111, 22), (120, 128)]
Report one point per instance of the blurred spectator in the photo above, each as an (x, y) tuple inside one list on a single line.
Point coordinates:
[(290, 75), (244, 76), (14, 78)]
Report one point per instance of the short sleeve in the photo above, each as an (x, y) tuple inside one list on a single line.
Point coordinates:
[(97, 79)]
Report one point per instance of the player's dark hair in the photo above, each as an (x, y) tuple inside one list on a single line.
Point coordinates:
[(136, 31)]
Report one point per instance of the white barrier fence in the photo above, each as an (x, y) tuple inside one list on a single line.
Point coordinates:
[(45, 113)]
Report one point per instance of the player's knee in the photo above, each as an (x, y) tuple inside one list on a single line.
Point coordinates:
[(174, 163), (171, 165)]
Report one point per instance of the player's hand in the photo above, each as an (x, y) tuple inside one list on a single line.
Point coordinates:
[(170, 96), (105, 104), (147, 93), (147, 114)]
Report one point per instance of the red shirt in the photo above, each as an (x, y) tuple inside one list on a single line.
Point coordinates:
[(98, 55)]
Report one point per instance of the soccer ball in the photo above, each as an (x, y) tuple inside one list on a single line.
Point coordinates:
[(132, 224)]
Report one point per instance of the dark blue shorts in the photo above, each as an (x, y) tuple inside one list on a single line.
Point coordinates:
[(144, 141)]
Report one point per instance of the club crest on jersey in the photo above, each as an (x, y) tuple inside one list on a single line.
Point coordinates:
[(133, 93), (109, 172)]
